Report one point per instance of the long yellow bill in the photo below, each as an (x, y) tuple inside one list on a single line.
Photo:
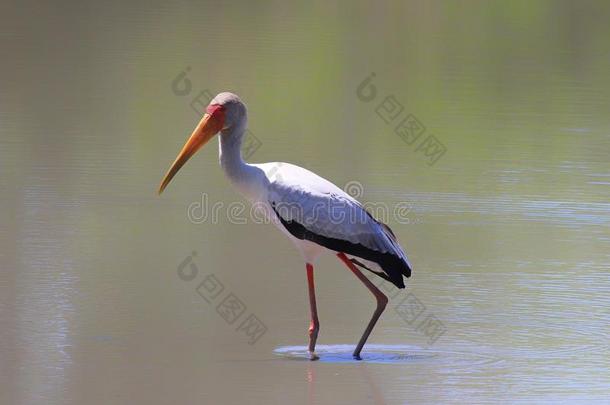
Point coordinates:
[(209, 125)]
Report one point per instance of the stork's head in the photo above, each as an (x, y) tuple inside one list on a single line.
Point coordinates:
[(226, 114), (235, 113)]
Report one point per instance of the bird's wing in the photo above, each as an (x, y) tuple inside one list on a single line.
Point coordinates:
[(314, 209)]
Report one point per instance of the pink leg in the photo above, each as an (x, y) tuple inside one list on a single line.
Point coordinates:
[(314, 325), (382, 300)]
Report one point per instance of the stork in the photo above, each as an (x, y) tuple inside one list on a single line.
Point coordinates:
[(312, 212)]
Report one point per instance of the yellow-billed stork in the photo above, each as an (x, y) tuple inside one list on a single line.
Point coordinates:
[(314, 213)]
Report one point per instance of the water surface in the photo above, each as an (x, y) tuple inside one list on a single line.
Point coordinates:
[(101, 298)]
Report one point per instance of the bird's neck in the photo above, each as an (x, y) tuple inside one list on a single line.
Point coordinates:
[(240, 173)]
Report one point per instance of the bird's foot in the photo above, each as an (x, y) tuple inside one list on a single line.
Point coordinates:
[(356, 356), (313, 356)]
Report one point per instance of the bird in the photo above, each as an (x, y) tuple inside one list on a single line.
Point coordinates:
[(316, 215)]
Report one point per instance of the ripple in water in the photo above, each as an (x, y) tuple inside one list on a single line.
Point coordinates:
[(387, 354)]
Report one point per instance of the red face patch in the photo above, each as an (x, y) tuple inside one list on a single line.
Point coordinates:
[(214, 108)]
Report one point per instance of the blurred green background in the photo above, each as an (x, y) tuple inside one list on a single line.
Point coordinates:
[(509, 235)]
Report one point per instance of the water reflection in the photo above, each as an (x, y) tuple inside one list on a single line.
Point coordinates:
[(510, 247), (372, 391), (48, 288)]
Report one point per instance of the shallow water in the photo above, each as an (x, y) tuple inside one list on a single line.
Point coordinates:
[(111, 294)]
